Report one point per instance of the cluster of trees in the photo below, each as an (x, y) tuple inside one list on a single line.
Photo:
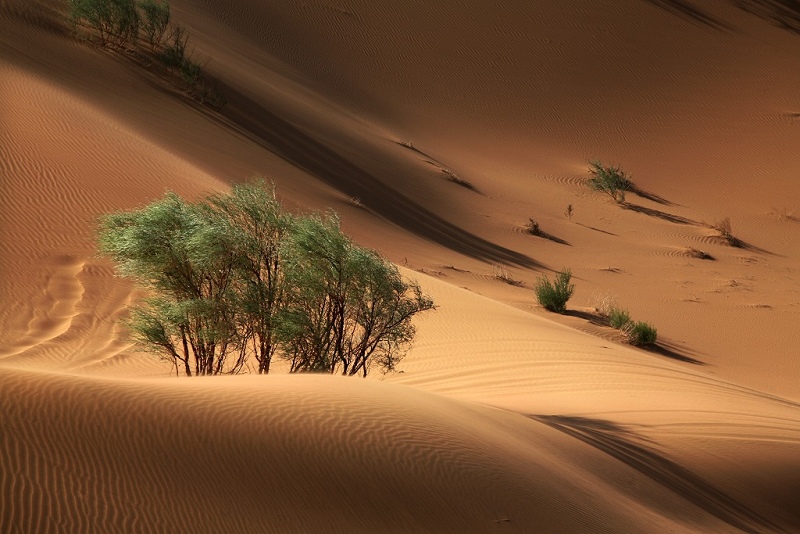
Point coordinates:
[(235, 277), (121, 24)]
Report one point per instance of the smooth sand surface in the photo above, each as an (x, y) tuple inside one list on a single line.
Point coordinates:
[(436, 130)]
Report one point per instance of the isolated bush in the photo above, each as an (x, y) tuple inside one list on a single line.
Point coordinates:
[(533, 227), (554, 296), (115, 21), (155, 21), (610, 180), (640, 333)]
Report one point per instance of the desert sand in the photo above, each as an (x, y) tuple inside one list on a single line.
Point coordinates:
[(436, 130)]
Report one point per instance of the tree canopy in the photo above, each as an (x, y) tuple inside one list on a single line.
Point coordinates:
[(235, 277)]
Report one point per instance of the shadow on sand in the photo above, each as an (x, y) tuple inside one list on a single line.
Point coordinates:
[(685, 9), (782, 13), (640, 454), (308, 153)]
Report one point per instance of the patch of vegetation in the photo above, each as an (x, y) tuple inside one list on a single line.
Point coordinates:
[(726, 232), (610, 180), (533, 228), (618, 318), (453, 177), (234, 278), (569, 211), (155, 21), (699, 254), (635, 333), (640, 333), (118, 24), (553, 296)]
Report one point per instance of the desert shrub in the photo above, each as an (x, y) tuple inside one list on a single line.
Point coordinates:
[(618, 318), (210, 94), (726, 232), (174, 54), (348, 308), (699, 254), (115, 21), (640, 333), (155, 21), (533, 227), (610, 180), (553, 296), (191, 73)]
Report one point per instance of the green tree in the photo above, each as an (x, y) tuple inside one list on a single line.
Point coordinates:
[(349, 308), (155, 21), (182, 257), (254, 221), (115, 21)]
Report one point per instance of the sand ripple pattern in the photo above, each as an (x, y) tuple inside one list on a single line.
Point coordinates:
[(97, 455)]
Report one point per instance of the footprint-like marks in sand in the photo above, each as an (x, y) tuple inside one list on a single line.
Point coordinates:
[(49, 314), (72, 322)]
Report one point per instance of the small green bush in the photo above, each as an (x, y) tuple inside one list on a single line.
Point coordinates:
[(554, 296), (610, 180), (618, 318), (641, 333)]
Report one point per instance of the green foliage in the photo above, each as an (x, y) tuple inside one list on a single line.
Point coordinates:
[(155, 21), (610, 180), (618, 318), (348, 307), (115, 21), (191, 73), (234, 276), (174, 54), (253, 221), (635, 332), (641, 333), (172, 250), (553, 296)]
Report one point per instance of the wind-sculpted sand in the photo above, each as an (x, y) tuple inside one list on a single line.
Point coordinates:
[(438, 131)]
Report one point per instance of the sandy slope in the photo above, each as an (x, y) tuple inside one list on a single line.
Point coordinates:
[(504, 417)]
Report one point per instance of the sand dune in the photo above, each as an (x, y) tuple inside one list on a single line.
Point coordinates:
[(437, 131)]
